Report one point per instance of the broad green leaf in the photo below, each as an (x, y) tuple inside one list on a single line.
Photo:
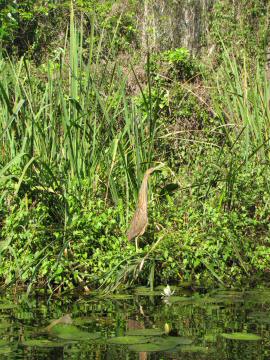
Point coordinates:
[(71, 332), (241, 336), (161, 344), (150, 347), (129, 340), (178, 340), (145, 332), (194, 349), (43, 343)]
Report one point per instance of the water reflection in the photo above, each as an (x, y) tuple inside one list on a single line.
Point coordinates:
[(196, 321)]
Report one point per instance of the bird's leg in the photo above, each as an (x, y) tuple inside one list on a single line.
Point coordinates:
[(136, 243)]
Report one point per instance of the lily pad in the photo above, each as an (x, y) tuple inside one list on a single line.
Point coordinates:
[(161, 344), (43, 343), (241, 336), (145, 332), (129, 340), (194, 349), (71, 332)]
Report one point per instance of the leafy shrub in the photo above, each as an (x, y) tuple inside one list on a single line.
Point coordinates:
[(36, 247), (181, 62), (30, 26)]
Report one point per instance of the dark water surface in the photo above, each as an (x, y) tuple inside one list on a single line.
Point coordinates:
[(199, 325)]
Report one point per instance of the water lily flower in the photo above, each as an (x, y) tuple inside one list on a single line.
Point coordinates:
[(167, 328), (167, 292)]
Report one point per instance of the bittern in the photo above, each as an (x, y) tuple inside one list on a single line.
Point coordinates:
[(139, 221)]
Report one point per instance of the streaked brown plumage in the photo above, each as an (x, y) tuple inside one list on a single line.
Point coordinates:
[(140, 219)]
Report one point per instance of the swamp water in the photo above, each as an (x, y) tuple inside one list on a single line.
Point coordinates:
[(219, 324)]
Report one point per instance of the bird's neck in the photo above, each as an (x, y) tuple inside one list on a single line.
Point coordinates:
[(142, 200)]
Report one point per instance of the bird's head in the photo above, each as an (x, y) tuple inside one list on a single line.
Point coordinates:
[(152, 169)]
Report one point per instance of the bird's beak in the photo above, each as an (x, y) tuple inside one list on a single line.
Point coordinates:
[(158, 167)]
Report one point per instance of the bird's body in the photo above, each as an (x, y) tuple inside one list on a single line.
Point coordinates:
[(140, 218), (138, 224)]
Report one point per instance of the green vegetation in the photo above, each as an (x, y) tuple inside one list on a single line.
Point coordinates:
[(78, 129)]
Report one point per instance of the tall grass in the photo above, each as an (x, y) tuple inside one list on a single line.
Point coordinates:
[(240, 98), (243, 103), (72, 125)]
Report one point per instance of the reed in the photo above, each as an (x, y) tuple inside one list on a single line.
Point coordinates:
[(68, 126), (243, 104)]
